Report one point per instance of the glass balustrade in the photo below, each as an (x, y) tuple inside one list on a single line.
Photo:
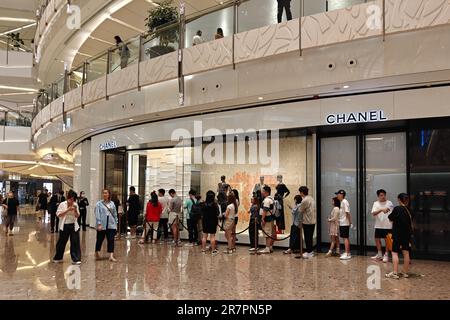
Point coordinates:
[(97, 67), (208, 25), (163, 41)]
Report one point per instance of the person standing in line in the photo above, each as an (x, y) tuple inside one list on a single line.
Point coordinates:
[(284, 5), (267, 219), (253, 229), (124, 52), (189, 203), (219, 34), (134, 209), (236, 218), (222, 202), (345, 221), (68, 213), (106, 223), (152, 216), (210, 220), (294, 240), (281, 193), (229, 216), (60, 199), (163, 227), (402, 230), (333, 229), (175, 207), (120, 225), (43, 205), (197, 38), (308, 212), (83, 203), (383, 226), (11, 205)]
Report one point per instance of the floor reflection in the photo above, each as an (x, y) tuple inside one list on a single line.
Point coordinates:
[(165, 272)]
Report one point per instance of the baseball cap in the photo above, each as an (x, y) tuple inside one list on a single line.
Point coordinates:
[(341, 192)]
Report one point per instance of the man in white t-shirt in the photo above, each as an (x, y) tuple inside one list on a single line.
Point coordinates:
[(267, 220), (345, 221), (383, 226), (197, 38), (164, 220)]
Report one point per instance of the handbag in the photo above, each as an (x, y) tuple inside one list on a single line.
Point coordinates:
[(389, 242)]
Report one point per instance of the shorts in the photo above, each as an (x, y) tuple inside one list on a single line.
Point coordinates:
[(382, 233), (399, 246), (228, 224), (268, 229), (344, 232), (173, 216)]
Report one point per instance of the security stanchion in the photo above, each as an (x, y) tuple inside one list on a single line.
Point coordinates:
[(256, 234)]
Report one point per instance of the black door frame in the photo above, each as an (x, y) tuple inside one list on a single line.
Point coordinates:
[(359, 132)]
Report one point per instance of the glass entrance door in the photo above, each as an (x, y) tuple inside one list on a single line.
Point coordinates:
[(361, 165), (339, 170)]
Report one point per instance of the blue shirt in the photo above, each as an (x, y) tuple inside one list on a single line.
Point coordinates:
[(102, 213), (296, 215)]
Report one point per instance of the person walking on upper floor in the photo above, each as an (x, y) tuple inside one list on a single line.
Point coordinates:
[(219, 34), (163, 227), (83, 203), (134, 209), (284, 5), (106, 223), (124, 52), (402, 231), (333, 229), (294, 240), (345, 221), (175, 207), (197, 38), (383, 226), (210, 220), (68, 213), (308, 212), (152, 215), (11, 206)]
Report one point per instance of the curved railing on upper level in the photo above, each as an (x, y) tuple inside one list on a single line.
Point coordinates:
[(45, 12), (233, 17)]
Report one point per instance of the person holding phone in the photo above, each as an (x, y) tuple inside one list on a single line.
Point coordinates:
[(68, 214)]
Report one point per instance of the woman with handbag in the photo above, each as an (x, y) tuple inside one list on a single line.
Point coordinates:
[(106, 221), (402, 230)]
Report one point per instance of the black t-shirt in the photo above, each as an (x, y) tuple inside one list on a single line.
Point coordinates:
[(134, 204), (12, 206), (43, 201), (401, 224)]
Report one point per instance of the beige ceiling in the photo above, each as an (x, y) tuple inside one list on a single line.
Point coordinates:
[(134, 15)]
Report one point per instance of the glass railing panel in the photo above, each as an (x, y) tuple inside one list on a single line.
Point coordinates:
[(254, 14), (211, 26), (2, 118), (124, 54), (58, 88), (75, 79), (161, 42), (96, 67), (317, 6)]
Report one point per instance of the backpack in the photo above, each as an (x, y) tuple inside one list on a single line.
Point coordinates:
[(196, 209), (275, 208)]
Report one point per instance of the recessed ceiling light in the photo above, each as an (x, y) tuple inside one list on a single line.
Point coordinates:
[(261, 98), (18, 88), (346, 86), (131, 119)]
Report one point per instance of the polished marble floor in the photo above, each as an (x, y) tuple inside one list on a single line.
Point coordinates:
[(164, 272)]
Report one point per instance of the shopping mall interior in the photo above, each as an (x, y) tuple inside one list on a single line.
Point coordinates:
[(232, 106)]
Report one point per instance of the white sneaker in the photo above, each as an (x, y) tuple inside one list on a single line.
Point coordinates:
[(264, 251), (252, 250), (392, 275), (329, 253), (377, 257), (189, 245), (288, 251), (386, 258), (311, 255), (345, 256)]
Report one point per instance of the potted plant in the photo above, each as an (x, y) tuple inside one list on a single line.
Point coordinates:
[(158, 18)]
